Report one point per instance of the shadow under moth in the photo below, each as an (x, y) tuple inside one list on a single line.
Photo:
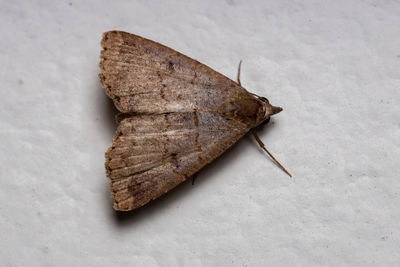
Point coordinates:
[(177, 115)]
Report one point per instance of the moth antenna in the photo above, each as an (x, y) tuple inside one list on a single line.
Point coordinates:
[(238, 75), (269, 154)]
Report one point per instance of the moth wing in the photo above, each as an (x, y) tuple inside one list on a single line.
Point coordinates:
[(143, 76), (151, 154)]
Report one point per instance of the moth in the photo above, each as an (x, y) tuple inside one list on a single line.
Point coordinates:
[(177, 115)]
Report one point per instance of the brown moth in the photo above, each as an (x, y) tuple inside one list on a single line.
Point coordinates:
[(177, 115)]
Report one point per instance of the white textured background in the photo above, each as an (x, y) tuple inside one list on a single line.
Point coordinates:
[(333, 65)]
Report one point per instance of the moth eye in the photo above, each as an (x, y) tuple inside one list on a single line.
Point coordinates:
[(264, 99)]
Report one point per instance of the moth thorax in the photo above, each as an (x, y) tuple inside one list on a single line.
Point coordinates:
[(268, 108), (248, 110)]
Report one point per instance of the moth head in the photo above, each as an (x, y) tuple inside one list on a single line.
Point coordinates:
[(269, 109), (249, 109)]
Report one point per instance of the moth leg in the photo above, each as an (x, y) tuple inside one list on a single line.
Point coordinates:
[(238, 75), (261, 144), (194, 177)]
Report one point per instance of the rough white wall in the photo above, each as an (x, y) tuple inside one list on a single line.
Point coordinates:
[(334, 66)]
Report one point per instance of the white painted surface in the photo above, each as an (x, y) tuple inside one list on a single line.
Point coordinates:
[(334, 66)]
